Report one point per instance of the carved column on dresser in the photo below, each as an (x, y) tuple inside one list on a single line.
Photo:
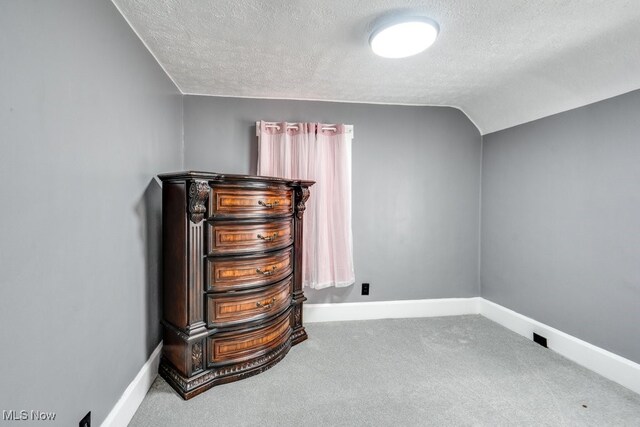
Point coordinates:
[(301, 197), (185, 329), (198, 196)]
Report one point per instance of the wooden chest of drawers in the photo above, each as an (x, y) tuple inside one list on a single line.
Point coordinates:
[(232, 276)]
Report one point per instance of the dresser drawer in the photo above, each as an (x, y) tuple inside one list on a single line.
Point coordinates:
[(242, 202), (236, 238), (241, 346), (231, 308), (225, 274)]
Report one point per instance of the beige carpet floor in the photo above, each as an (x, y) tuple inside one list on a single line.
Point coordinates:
[(446, 371)]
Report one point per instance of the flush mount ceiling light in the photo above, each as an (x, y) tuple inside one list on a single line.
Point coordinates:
[(403, 36)]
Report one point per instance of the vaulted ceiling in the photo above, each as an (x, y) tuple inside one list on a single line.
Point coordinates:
[(502, 62)]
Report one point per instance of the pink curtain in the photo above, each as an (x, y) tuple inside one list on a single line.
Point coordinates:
[(321, 153)]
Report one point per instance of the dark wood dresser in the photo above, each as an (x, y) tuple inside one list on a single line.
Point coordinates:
[(232, 276)]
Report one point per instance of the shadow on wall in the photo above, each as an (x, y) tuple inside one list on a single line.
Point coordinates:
[(149, 212), (253, 150), (328, 295)]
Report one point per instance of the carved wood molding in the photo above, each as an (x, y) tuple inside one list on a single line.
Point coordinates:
[(241, 369), (297, 334), (297, 315), (196, 356), (198, 195), (302, 195)]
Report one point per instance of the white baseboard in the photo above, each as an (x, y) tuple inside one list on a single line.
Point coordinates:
[(128, 404), (390, 309), (609, 365)]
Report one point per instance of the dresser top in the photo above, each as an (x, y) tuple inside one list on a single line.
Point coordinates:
[(213, 176)]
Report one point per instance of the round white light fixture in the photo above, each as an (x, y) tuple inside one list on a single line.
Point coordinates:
[(402, 37)]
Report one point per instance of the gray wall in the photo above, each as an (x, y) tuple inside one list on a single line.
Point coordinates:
[(87, 118), (416, 174), (561, 222)]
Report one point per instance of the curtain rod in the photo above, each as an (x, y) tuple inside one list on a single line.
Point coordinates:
[(348, 128), (296, 127)]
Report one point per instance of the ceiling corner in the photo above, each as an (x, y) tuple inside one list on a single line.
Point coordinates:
[(147, 46)]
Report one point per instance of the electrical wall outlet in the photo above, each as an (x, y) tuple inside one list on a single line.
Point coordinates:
[(365, 289), (86, 421)]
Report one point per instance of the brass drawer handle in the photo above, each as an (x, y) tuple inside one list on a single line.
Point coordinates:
[(269, 205), (267, 272), (268, 238), (266, 306)]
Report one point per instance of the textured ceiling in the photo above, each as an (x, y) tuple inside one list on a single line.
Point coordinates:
[(503, 62)]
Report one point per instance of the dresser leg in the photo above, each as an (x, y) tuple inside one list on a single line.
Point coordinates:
[(298, 336)]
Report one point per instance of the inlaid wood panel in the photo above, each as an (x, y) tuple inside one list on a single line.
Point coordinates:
[(240, 346), (233, 308), (244, 202), (237, 238), (239, 273)]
